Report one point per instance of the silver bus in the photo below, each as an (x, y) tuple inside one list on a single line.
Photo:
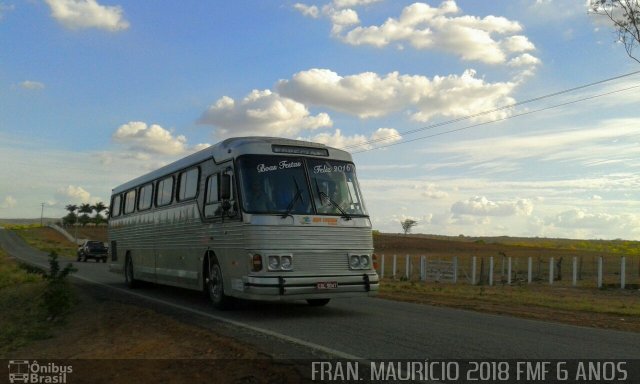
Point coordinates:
[(253, 218)]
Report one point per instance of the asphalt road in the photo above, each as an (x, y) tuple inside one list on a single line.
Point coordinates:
[(368, 328)]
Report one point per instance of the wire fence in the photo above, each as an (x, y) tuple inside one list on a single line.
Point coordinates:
[(578, 271)]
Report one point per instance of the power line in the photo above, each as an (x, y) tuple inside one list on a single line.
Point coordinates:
[(501, 119), (468, 117)]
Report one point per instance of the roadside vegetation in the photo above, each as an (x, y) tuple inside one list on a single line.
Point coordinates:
[(33, 301), (43, 317)]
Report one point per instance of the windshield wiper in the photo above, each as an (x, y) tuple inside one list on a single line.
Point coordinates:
[(328, 198), (295, 199)]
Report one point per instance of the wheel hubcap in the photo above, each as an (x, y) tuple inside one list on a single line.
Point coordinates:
[(215, 283), (129, 271)]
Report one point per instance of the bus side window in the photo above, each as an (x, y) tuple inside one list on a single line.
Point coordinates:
[(212, 200), (116, 206), (130, 201), (164, 191), (188, 184), (144, 200)]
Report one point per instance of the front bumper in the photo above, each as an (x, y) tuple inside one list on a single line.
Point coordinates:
[(291, 287)]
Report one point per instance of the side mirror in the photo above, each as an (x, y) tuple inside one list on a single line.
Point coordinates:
[(225, 187)]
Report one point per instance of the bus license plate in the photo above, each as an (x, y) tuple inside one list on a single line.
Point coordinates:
[(327, 285)]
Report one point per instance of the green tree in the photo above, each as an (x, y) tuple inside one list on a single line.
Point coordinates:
[(58, 297), (99, 207), (407, 224), (71, 218), (86, 209), (625, 16)]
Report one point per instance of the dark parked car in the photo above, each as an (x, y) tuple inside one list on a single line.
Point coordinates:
[(92, 249)]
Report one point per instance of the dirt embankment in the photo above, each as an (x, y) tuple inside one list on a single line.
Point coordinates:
[(121, 343)]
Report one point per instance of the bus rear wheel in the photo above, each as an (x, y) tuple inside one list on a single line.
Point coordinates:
[(216, 288), (318, 302)]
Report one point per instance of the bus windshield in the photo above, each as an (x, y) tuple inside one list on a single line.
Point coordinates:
[(274, 184), (335, 187), (278, 184)]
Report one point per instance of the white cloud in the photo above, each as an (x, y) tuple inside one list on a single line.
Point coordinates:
[(80, 14), (72, 194), (489, 39), (596, 224), (32, 85), (338, 140), (262, 113), (516, 208), (607, 142), (142, 139), (517, 44), (524, 60), (432, 192), (342, 19), (370, 95), (352, 3), (307, 10), (481, 206), (8, 202)]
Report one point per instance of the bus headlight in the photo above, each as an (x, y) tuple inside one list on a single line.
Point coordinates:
[(286, 262), (280, 262), (359, 261), (274, 263)]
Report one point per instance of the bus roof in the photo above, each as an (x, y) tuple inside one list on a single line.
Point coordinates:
[(229, 149)]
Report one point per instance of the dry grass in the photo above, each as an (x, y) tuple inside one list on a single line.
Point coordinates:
[(613, 309), (45, 239), (21, 318), (148, 344)]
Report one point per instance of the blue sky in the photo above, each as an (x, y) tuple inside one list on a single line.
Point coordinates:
[(94, 93)]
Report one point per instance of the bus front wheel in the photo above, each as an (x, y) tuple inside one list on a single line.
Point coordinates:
[(216, 288), (318, 302)]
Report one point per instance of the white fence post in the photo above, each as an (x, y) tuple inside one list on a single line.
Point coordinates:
[(395, 263), (455, 269), (407, 267), (491, 271), (600, 272), (530, 270), (473, 270), (382, 267), (623, 271), (575, 271), (509, 270), (423, 268), (551, 271)]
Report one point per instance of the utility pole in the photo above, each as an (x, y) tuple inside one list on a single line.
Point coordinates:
[(41, 214)]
